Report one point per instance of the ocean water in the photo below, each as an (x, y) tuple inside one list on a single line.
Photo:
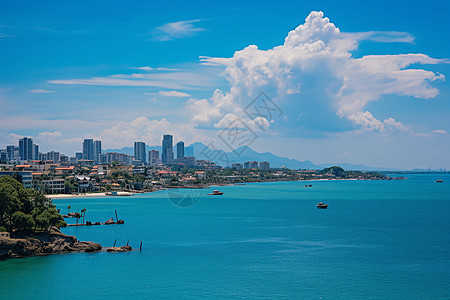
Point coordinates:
[(377, 240)]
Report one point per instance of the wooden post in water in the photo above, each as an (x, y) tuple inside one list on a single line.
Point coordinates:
[(115, 243), (117, 219), (128, 242), (140, 248)]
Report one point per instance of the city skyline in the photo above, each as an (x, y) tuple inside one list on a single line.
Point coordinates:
[(348, 87)]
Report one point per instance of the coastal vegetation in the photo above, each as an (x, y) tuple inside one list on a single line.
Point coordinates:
[(23, 209)]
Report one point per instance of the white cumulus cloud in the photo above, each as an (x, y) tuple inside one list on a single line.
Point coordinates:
[(313, 75)]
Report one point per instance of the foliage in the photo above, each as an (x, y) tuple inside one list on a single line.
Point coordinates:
[(23, 209)]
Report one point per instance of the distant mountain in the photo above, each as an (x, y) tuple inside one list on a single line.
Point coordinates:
[(245, 153), (130, 150)]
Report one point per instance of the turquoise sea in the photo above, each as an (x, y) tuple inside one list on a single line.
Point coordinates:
[(377, 240)]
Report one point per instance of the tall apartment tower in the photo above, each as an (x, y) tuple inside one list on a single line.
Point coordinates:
[(167, 149), (88, 149), (97, 151), (180, 150), (139, 152), (35, 152), (26, 149)]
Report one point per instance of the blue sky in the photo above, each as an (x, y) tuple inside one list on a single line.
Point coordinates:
[(360, 83)]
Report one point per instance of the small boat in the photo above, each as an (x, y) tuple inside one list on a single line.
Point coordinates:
[(322, 205), (439, 181), (216, 192)]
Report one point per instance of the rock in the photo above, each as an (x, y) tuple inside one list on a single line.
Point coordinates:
[(22, 245), (109, 222), (125, 248)]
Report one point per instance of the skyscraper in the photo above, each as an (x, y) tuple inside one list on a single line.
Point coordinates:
[(167, 149), (26, 149), (97, 151), (88, 149), (180, 150), (35, 152), (139, 152)]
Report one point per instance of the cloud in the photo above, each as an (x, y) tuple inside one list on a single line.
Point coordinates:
[(152, 69), (41, 91), (439, 131), (382, 36), (50, 134), (173, 94), (167, 78), (176, 30), (315, 78)]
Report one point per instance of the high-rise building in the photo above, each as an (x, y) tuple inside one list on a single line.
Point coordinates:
[(189, 151), (97, 151), (35, 152), (180, 150), (26, 149), (139, 152), (153, 157), (167, 149), (88, 149)]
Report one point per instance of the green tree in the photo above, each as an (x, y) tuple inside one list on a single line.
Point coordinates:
[(22, 221)]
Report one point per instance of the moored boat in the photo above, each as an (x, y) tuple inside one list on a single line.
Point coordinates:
[(216, 192), (439, 181), (322, 205)]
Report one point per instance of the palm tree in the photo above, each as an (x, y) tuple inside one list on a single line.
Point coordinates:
[(77, 216), (68, 208), (83, 213)]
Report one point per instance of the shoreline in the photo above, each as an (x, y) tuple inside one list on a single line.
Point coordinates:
[(122, 193)]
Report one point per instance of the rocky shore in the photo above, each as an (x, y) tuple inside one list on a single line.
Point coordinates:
[(22, 245)]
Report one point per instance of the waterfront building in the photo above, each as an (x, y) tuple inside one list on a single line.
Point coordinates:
[(180, 150), (167, 149), (264, 165), (88, 149), (26, 148), (24, 176), (139, 152)]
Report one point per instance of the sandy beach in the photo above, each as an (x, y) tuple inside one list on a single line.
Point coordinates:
[(63, 196)]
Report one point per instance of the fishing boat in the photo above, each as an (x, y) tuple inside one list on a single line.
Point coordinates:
[(322, 205), (216, 192), (439, 181)]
